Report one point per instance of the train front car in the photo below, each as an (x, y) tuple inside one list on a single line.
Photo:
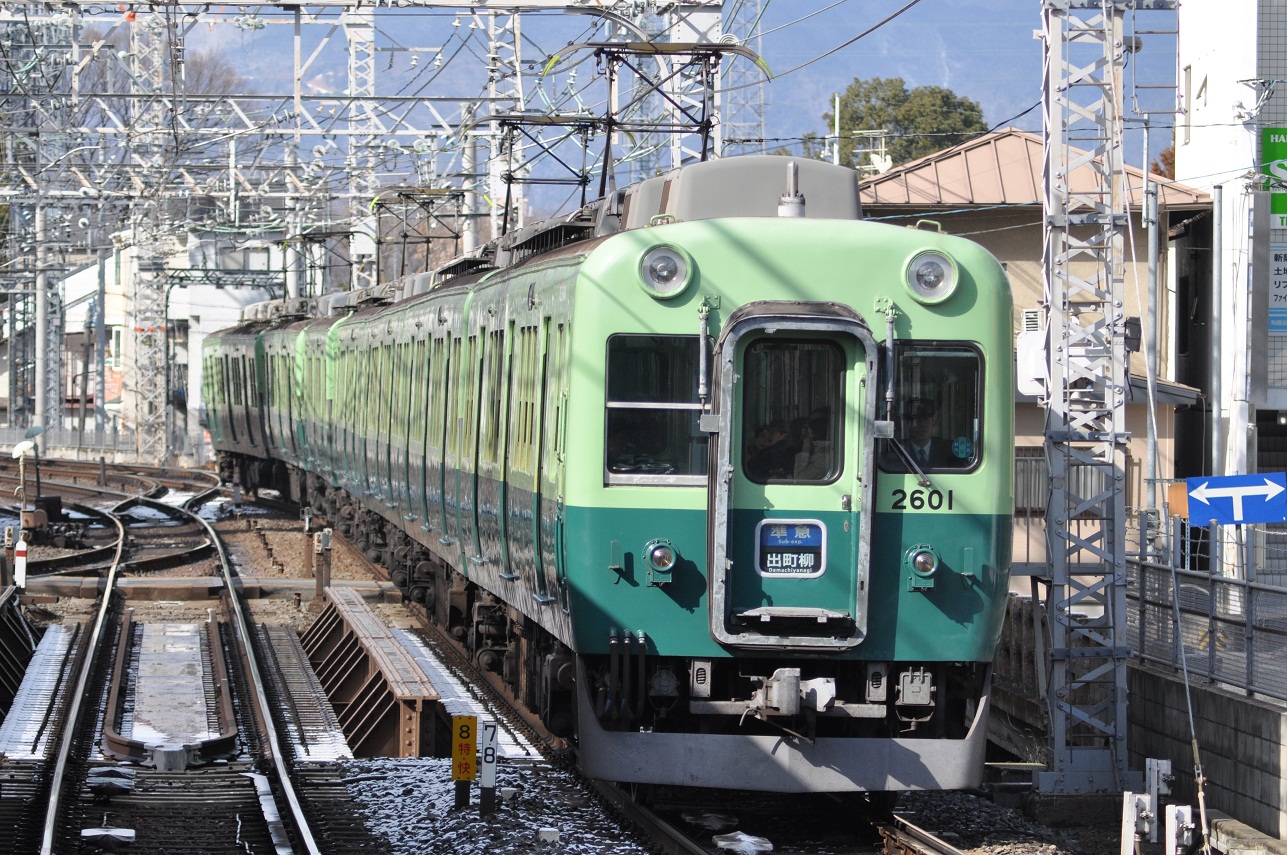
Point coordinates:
[(788, 510)]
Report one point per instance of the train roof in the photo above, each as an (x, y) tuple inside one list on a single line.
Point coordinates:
[(748, 186), (752, 186)]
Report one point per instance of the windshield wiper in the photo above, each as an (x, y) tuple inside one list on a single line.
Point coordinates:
[(921, 477), (910, 461)]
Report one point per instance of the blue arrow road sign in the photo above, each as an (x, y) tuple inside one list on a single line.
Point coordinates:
[(1236, 499)]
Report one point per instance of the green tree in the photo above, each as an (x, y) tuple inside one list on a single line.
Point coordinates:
[(1164, 165), (810, 147), (918, 121)]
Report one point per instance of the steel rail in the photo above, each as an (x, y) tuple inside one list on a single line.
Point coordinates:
[(88, 668), (82, 561), (263, 708), (7, 477), (671, 840), (95, 517), (906, 838), (123, 747), (666, 836)]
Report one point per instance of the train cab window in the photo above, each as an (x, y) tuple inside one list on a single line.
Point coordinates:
[(793, 411), (650, 431), (938, 407)]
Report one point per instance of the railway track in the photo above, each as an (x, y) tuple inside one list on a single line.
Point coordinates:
[(155, 732), (903, 837), (82, 535), (156, 535), (160, 793)]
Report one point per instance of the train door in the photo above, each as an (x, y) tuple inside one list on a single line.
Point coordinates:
[(246, 369), (385, 391), (399, 427), (489, 494), (549, 477), (452, 447), (269, 392), (216, 394), (522, 534), (470, 418), (363, 408), (232, 382), (436, 432), (790, 523), (415, 457)]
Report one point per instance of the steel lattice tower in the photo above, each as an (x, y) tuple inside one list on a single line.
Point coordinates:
[(1086, 436), (742, 83)]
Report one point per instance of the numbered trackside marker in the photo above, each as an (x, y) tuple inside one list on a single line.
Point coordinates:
[(487, 754), (464, 747), (20, 563)]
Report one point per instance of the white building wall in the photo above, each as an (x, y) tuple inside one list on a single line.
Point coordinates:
[(205, 307), (1216, 145)]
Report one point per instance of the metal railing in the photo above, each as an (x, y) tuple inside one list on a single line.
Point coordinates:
[(115, 442), (1211, 600), (64, 442)]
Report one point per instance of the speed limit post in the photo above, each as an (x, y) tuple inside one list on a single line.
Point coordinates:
[(487, 767), (464, 755)]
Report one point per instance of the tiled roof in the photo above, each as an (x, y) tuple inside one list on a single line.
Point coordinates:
[(1000, 168)]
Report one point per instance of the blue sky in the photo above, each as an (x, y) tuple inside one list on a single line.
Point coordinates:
[(981, 49)]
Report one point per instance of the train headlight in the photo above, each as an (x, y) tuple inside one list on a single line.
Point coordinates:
[(923, 562), (931, 276), (660, 556), (665, 272)]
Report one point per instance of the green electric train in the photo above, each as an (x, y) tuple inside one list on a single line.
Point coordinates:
[(714, 475)]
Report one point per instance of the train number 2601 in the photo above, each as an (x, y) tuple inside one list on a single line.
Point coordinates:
[(919, 500)]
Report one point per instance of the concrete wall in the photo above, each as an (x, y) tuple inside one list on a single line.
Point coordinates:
[(1241, 743)]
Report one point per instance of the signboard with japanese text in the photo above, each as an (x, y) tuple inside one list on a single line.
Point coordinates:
[(1273, 154), (464, 747), (1277, 289), (790, 548)]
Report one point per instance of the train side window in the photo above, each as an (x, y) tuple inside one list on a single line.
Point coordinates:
[(793, 409), (493, 398), (419, 370), (651, 433), (938, 408), (524, 397), (452, 414), (471, 392)]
